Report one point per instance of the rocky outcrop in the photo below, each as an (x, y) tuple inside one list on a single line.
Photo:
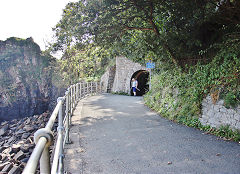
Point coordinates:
[(16, 141), (25, 79)]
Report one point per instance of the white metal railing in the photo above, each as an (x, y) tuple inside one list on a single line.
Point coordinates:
[(43, 138)]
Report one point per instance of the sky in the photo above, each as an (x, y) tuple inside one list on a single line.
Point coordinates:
[(30, 18)]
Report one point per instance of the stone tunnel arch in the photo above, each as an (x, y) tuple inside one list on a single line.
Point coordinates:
[(142, 77), (119, 80)]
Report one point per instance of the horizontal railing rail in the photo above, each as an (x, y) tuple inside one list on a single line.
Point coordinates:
[(44, 137)]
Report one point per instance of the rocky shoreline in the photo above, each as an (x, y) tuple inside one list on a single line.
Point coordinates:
[(16, 142)]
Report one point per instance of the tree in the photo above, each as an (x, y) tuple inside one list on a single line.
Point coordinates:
[(179, 29), (83, 64)]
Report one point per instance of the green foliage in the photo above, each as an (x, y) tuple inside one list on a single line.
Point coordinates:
[(89, 63), (177, 95), (232, 100), (179, 29), (225, 131)]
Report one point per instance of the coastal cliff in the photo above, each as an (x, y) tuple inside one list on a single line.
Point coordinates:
[(26, 87)]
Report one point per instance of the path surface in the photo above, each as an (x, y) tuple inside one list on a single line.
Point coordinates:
[(115, 134)]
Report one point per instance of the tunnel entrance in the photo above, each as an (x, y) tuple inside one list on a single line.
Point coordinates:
[(142, 78)]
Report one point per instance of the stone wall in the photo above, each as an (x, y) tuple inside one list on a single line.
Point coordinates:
[(125, 68), (104, 80), (217, 114)]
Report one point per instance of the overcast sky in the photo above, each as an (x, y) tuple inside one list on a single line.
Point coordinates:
[(30, 18)]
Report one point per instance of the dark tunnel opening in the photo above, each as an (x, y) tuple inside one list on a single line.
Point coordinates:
[(142, 77)]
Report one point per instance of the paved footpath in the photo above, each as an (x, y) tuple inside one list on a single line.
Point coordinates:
[(115, 134)]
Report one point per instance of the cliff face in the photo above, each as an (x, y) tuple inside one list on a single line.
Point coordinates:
[(25, 79)]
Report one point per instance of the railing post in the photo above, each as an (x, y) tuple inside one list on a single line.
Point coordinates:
[(83, 84), (91, 87), (96, 87), (84, 89), (45, 166), (70, 101), (74, 93), (77, 91), (57, 165), (87, 87), (79, 94), (60, 133), (68, 118), (69, 108), (72, 98), (80, 90), (75, 102)]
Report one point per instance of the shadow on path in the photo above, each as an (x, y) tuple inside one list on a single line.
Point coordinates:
[(114, 134)]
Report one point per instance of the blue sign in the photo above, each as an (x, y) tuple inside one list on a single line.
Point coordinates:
[(150, 65)]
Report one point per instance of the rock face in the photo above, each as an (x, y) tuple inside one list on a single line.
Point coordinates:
[(25, 79)]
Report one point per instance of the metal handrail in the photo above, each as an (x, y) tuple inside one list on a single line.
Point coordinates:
[(43, 138)]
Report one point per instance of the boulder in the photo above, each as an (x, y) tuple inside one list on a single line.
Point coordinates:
[(15, 170), (25, 135), (16, 147), (28, 128), (7, 150), (3, 157), (11, 140), (19, 156), (3, 130), (7, 168), (4, 123), (20, 131), (28, 121), (25, 160), (2, 148), (25, 148), (2, 165)]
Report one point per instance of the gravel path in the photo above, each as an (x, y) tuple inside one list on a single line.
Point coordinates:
[(115, 134)]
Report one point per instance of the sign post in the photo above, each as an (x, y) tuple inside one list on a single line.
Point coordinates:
[(150, 65)]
